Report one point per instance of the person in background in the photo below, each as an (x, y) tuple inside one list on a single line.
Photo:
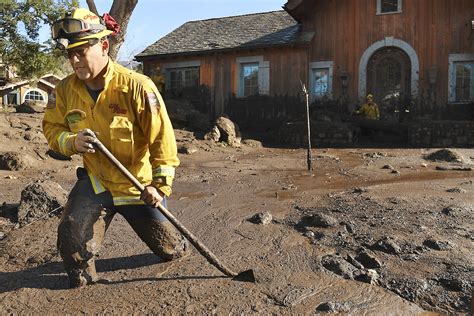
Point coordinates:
[(369, 110)]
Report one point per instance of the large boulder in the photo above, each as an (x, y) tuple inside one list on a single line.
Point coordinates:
[(40, 198), (14, 161), (230, 132)]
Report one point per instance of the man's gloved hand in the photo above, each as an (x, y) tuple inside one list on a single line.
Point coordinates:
[(84, 140), (151, 196)]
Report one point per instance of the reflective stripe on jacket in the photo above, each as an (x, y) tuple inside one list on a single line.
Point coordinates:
[(129, 118)]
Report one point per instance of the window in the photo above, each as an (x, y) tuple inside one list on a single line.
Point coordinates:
[(320, 81), (34, 95), (464, 81), (180, 78), (461, 78), (250, 79), (253, 76), (389, 6)]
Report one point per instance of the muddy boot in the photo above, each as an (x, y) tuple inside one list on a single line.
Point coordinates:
[(162, 238), (80, 235)]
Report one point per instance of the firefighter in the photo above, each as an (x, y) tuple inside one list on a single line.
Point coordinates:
[(125, 111), (369, 110)]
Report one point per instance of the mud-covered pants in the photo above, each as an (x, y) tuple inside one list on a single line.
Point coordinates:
[(86, 218)]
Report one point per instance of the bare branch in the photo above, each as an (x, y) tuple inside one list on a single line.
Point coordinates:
[(92, 7)]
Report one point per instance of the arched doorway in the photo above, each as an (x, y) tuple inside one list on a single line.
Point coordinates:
[(389, 78)]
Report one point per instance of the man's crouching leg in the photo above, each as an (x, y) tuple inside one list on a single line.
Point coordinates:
[(81, 232), (157, 232)]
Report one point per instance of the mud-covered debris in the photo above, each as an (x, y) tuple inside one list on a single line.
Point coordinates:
[(458, 209), (457, 285), (389, 167), (359, 190), (436, 244), (408, 288), (339, 266), (368, 260), (334, 307), (188, 150), (309, 234), (252, 143), (13, 161), (30, 107), (354, 262), (350, 227), (453, 168), (395, 172), (214, 134), (263, 218), (456, 190), (319, 220), (58, 156), (447, 155), (2, 235), (387, 245), (40, 198), (297, 295), (369, 276)]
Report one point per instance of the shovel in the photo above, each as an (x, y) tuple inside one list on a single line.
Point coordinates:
[(245, 276)]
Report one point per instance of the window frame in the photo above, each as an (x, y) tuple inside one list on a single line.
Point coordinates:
[(263, 75), (379, 8), (314, 66), (454, 60), (39, 92), (166, 69)]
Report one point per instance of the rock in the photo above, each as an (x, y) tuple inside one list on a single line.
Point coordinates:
[(58, 156), (359, 190), (354, 262), (2, 235), (370, 276), (447, 155), (395, 172), (388, 167), (230, 132), (339, 266), (436, 244), (309, 234), (387, 245), (456, 210), (349, 227), (40, 198), (454, 284), (262, 218), (213, 135), (368, 260), (30, 107), (14, 161), (252, 143), (188, 150), (320, 220), (333, 307), (456, 190)]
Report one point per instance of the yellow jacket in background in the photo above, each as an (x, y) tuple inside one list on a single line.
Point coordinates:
[(129, 118), (370, 112)]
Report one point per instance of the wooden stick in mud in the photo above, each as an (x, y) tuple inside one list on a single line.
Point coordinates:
[(309, 158)]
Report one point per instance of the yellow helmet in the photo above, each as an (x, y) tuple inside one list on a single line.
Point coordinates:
[(77, 28)]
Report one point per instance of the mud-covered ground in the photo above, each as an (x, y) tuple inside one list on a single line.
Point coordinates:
[(370, 231)]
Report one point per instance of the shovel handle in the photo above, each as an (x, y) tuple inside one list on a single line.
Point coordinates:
[(203, 250)]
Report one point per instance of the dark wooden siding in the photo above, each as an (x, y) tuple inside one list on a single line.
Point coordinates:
[(434, 28), (219, 71)]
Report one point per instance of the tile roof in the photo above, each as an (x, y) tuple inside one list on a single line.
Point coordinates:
[(234, 32)]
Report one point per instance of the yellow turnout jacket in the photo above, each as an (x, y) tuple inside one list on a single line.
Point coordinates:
[(129, 118)]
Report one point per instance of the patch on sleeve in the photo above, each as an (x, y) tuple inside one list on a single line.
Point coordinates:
[(152, 102)]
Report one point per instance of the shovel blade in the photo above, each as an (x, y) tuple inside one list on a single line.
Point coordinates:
[(245, 276)]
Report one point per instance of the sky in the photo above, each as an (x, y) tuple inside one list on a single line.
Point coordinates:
[(153, 19)]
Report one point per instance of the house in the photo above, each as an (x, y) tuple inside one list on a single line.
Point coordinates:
[(412, 55), (15, 93)]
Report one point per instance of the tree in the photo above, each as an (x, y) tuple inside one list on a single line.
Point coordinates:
[(20, 22), (121, 11)]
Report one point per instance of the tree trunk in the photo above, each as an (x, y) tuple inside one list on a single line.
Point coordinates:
[(121, 11)]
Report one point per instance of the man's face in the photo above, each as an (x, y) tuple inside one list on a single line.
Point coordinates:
[(87, 60)]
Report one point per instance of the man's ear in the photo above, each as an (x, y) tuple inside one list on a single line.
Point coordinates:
[(105, 47)]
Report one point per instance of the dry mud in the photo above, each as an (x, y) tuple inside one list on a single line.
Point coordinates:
[(369, 232)]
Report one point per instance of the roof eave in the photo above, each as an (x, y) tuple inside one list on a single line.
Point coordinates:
[(221, 50)]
